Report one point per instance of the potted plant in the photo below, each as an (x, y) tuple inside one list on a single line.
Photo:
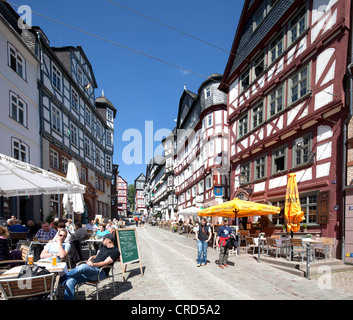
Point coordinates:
[(305, 227), (261, 234)]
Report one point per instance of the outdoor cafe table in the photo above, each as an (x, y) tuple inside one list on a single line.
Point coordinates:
[(314, 243), (13, 272)]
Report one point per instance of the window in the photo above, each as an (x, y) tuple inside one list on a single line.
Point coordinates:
[(79, 75), (243, 126), (245, 171), (297, 26), (259, 15), (257, 115), (278, 219), (20, 150), (209, 120), (56, 78), (244, 80), (18, 109), (301, 153), (98, 157), (108, 163), (259, 64), (54, 159), (110, 115), (208, 182), (56, 119), (54, 204), (84, 174), (211, 148), (308, 205), (73, 134), (279, 162), (64, 163), (275, 101), (74, 99), (87, 147), (101, 185), (109, 138), (276, 48), (207, 92), (299, 85), (88, 116), (16, 61), (260, 167)]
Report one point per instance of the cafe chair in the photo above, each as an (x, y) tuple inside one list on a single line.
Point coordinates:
[(7, 264), (98, 282), (22, 288), (297, 246), (273, 245), (328, 246), (249, 244), (16, 236)]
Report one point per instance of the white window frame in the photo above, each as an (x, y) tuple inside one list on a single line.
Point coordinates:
[(18, 109), (207, 92), (87, 147), (21, 148), (56, 77), (54, 159), (243, 126), (74, 100), (73, 134), (108, 163), (18, 62), (55, 119)]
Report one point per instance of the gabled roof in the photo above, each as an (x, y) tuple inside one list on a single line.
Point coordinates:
[(78, 48)]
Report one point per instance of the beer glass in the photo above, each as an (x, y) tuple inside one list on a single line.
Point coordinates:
[(54, 261), (30, 259)]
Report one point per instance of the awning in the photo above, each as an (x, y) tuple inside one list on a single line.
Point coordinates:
[(238, 208), (189, 211), (19, 178)]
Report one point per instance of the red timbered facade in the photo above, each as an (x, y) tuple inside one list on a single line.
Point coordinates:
[(121, 192), (285, 82)]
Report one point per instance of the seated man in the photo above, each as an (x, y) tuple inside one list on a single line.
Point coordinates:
[(46, 233), (57, 247), (89, 271), (80, 233), (17, 227)]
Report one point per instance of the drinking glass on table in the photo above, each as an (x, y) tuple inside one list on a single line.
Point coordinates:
[(54, 259), (30, 259)]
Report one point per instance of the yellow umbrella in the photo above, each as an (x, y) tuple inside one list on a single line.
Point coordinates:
[(292, 211), (238, 208)]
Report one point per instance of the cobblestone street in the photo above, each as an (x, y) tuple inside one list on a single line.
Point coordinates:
[(171, 273)]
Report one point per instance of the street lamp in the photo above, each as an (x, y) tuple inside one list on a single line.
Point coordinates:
[(244, 181)]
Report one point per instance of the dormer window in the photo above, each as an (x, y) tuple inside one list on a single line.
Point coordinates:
[(207, 92), (110, 115)]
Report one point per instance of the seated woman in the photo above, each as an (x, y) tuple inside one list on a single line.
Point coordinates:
[(4, 244), (101, 232)]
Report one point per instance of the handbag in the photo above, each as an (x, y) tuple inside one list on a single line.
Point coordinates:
[(27, 271)]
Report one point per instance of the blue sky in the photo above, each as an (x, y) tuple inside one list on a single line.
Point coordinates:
[(141, 88)]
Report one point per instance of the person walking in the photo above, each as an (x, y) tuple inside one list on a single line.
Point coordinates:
[(203, 236), (223, 235)]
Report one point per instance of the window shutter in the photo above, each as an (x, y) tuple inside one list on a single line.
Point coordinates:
[(324, 211)]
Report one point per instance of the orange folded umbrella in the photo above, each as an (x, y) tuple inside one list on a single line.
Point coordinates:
[(238, 208), (292, 210)]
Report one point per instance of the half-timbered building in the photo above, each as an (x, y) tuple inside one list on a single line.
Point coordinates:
[(286, 106), (122, 194), (74, 125), (201, 156)]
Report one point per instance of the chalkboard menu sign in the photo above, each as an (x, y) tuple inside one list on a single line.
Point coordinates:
[(128, 247)]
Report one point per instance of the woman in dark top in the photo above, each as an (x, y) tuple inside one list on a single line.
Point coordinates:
[(4, 245)]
